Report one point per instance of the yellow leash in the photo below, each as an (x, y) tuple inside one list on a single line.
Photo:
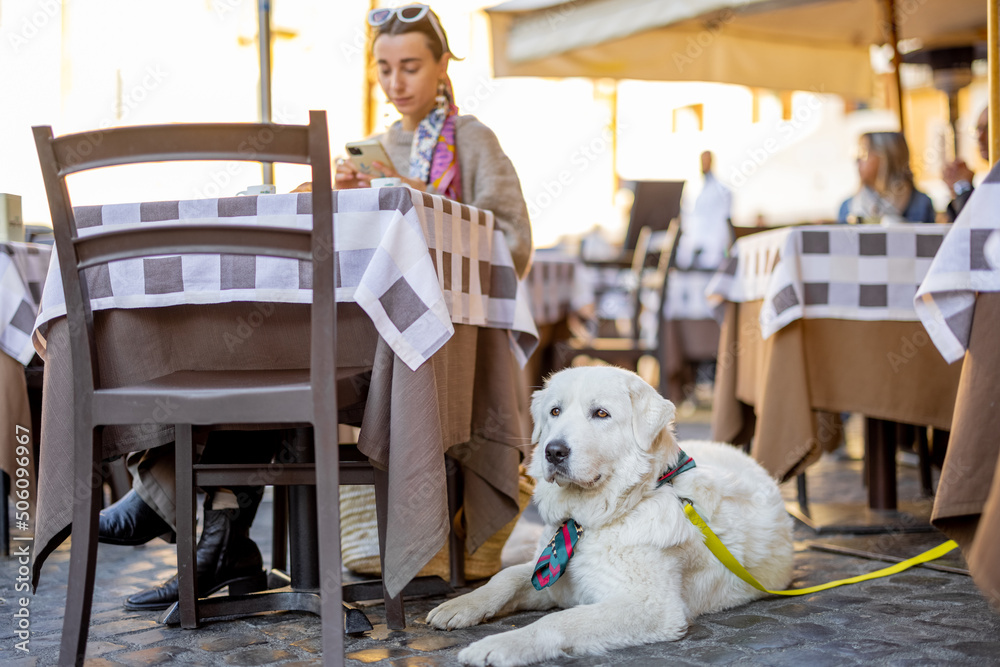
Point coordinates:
[(716, 546)]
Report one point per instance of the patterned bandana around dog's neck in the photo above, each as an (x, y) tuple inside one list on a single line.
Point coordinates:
[(555, 557)]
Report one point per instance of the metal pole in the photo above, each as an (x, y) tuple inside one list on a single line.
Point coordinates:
[(892, 36), (369, 101), (264, 46), (993, 55)]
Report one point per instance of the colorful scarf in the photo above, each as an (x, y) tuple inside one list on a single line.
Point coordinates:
[(433, 156)]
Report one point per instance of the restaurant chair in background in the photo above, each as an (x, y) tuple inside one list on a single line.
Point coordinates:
[(654, 205), (649, 286), (201, 397)]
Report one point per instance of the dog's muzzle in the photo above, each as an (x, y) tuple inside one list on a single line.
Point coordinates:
[(556, 453)]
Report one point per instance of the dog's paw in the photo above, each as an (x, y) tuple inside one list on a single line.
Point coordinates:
[(460, 612), (507, 649)]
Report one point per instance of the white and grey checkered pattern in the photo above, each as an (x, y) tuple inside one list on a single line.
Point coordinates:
[(414, 262), (557, 285), (850, 272), (967, 263), (22, 275)]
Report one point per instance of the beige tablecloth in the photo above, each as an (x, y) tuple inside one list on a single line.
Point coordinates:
[(463, 400), (14, 412), (889, 370), (967, 504)]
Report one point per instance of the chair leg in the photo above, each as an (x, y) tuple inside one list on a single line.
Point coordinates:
[(279, 529), (395, 615), (187, 564), (4, 523), (803, 491), (328, 523), (924, 460), (87, 499), (456, 543)]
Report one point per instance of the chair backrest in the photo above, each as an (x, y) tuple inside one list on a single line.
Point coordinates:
[(251, 142), (655, 204), (660, 246)]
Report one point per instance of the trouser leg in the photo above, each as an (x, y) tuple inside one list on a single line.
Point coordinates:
[(153, 473)]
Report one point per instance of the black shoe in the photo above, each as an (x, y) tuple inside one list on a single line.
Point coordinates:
[(226, 556), (131, 522)]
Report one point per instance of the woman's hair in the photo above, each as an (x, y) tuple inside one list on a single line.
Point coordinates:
[(894, 171), (438, 44)]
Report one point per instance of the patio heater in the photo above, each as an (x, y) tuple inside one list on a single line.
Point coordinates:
[(951, 70), (264, 46)]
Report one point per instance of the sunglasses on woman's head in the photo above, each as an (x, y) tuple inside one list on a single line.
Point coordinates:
[(406, 14)]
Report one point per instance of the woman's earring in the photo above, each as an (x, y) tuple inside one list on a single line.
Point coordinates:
[(441, 99)]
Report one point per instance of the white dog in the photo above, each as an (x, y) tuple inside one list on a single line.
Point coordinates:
[(640, 571)]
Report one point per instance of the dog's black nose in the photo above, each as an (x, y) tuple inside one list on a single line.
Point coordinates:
[(556, 452)]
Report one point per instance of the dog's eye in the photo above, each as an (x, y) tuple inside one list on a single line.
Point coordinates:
[(555, 412), (601, 413)]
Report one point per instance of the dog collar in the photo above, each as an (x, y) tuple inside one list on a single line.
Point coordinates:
[(555, 557), (684, 463)]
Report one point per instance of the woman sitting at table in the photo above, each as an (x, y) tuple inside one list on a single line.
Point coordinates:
[(887, 190), (451, 155)]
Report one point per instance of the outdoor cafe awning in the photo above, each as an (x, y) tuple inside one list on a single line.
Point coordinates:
[(811, 45)]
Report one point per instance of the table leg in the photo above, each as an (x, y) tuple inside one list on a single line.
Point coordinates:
[(880, 453), (303, 545)]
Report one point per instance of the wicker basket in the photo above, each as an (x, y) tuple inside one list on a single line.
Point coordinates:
[(359, 535)]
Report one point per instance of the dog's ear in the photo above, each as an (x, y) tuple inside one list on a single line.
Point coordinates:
[(651, 413), (537, 407)]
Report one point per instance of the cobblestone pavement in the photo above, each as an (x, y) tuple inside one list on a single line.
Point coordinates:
[(919, 617)]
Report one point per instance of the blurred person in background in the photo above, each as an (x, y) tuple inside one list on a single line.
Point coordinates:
[(957, 174), (455, 156), (705, 231), (887, 189)]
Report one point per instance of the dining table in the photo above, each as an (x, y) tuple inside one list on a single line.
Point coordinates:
[(959, 304), (433, 327), (23, 268), (817, 321)]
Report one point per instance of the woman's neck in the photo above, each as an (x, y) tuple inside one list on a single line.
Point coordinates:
[(410, 123)]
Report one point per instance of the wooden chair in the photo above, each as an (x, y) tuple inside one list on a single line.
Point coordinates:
[(201, 397), (627, 350)]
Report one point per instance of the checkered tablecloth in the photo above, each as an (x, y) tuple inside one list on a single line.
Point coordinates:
[(22, 275), (416, 263), (557, 285), (851, 272), (968, 262)]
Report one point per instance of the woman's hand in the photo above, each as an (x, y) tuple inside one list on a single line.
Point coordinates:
[(389, 172), (347, 177)]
